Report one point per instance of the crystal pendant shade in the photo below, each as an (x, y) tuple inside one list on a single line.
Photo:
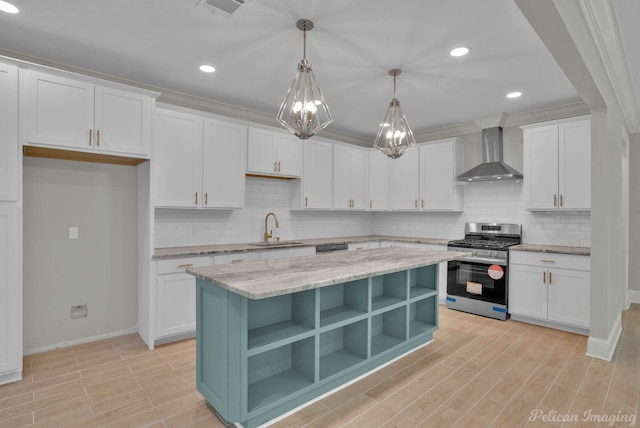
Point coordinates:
[(304, 110), (394, 136)]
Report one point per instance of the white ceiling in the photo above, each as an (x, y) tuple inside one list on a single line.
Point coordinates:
[(256, 50)]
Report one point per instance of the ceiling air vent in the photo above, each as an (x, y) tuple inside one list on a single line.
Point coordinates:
[(223, 7)]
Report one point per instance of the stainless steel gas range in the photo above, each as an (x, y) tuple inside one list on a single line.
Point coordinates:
[(479, 283)]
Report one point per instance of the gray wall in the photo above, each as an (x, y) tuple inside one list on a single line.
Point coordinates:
[(98, 269)]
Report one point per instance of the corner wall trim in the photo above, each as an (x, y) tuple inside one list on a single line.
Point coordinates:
[(634, 296), (604, 349)]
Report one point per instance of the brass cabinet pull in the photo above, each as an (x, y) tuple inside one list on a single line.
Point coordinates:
[(544, 277), (306, 201), (185, 265), (423, 203), (370, 203), (275, 166), (561, 200), (98, 138), (196, 198), (237, 260), (91, 137), (416, 203), (206, 198), (547, 261), (278, 166), (555, 200), (550, 280)]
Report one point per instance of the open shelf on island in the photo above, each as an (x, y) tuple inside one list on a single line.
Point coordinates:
[(279, 318), (280, 372), (388, 330), (423, 281), (342, 348), (387, 290), (342, 302), (423, 316)]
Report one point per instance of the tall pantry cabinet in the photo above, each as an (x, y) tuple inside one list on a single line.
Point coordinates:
[(10, 229)]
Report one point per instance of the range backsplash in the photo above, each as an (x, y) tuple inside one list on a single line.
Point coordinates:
[(484, 202)]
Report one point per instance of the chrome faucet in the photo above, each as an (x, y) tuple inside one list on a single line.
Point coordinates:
[(268, 235)]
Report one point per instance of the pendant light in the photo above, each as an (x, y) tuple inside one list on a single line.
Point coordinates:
[(394, 136), (304, 110)]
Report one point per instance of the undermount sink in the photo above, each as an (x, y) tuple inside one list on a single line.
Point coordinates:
[(277, 243)]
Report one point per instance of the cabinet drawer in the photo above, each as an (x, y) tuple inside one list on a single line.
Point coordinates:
[(550, 260), (179, 265), (223, 259)]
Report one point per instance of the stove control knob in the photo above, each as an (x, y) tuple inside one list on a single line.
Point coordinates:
[(494, 254)]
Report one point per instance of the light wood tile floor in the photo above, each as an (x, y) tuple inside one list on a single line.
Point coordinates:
[(476, 373)]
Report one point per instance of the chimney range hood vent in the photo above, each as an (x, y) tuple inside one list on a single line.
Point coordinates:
[(492, 167)]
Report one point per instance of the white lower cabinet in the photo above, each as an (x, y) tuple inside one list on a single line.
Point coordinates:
[(287, 252), (550, 289), (176, 298), (10, 297), (354, 246)]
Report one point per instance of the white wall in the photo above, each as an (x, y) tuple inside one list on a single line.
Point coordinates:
[(634, 213), (98, 269)]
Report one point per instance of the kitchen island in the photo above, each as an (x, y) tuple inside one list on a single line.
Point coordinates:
[(272, 335)]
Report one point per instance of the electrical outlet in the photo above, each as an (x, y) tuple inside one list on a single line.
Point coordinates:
[(73, 233), (79, 311)]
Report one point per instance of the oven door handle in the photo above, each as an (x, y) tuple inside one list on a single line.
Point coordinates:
[(485, 260)]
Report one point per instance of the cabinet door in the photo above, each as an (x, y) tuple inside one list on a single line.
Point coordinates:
[(378, 181), (223, 174), (575, 165), (359, 180), (569, 296), (527, 291), (341, 178), (289, 155), (176, 304), (439, 190), (261, 152), (8, 132), (122, 121), (541, 167), (404, 179), (10, 296), (177, 159), (317, 179), (59, 111)]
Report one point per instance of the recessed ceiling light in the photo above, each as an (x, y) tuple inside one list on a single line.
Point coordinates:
[(207, 68), (515, 94), (8, 7), (461, 51)]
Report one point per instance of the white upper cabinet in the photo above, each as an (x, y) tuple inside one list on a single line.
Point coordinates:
[(72, 114), (315, 189), (223, 165), (440, 164), (199, 162), (557, 166), (404, 178), (378, 181), (273, 153), (8, 132), (350, 178)]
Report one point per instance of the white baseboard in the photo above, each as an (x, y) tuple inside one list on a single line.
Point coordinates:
[(604, 349), (29, 351), (634, 296)]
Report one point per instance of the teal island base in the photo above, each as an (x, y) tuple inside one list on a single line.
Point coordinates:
[(258, 359)]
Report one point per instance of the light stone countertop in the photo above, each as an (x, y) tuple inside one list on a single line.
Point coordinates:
[(203, 250), (268, 278), (556, 249)]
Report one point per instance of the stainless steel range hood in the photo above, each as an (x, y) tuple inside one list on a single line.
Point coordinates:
[(492, 167)]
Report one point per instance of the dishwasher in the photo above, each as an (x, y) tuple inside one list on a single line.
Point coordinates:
[(331, 248)]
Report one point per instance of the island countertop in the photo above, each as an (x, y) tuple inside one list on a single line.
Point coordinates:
[(268, 278)]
